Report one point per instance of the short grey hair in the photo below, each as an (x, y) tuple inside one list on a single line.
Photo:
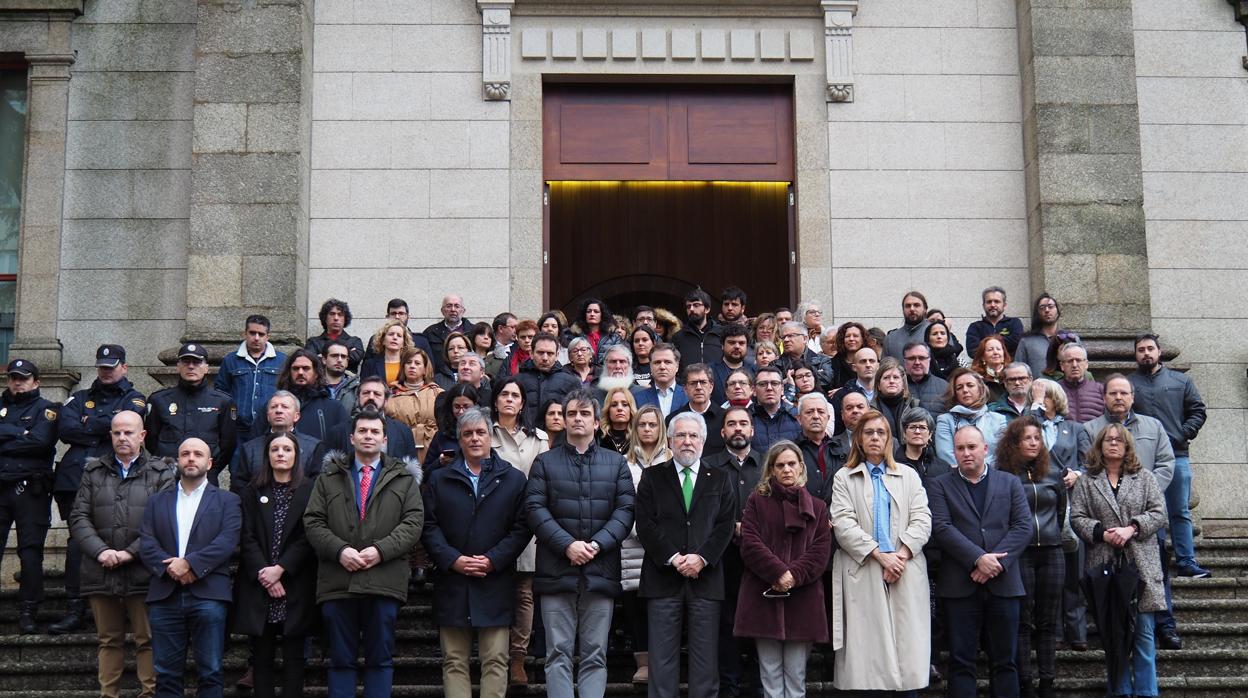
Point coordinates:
[(913, 415), (471, 417), (983, 296), (579, 340), (619, 349), (694, 417), (470, 357), (813, 396), (286, 394), (792, 325), (1018, 364), (829, 332), (1061, 353)]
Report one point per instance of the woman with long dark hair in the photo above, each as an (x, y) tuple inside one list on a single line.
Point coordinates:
[(643, 340), (552, 421), (1022, 452), (444, 448), (276, 586), (946, 353)]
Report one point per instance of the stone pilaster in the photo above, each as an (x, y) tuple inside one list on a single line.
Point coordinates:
[(43, 195), (247, 251), (1085, 200)]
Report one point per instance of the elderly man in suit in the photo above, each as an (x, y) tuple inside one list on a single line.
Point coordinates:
[(686, 513), (188, 536), (981, 520)]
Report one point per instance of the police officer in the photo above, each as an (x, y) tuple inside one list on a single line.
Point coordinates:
[(27, 447), (85, 425), (192, 408)]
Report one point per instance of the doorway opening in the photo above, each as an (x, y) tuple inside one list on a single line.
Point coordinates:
[(652, 191)]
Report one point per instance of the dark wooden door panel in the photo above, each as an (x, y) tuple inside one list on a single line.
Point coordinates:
[(605, 136)]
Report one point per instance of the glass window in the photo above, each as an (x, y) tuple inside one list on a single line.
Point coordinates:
[(13, 105)]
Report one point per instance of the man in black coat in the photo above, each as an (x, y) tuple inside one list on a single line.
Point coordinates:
[(982, 523), (320, 414), (453, 320), (580, 506), (699, 341), (192, 408), (27, 446), (335, 318), (686, 515), (84, 424), (543, 378), (475, 548), (373, 394), (282, 414)]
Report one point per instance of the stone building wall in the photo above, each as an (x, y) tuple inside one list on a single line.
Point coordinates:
[(1193, 96), (127, 182)]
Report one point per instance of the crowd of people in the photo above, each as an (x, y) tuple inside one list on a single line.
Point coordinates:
[(754, 486)]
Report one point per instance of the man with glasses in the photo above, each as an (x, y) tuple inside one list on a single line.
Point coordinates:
[(913, 325), (930, 390), (686, 515), (1021, 395), (192, 409), (794, 350), (1085, 395), (772, 420), (698, 387), (739, 389)]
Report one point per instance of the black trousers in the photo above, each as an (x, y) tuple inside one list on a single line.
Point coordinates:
[(32, 514), (73, 553), (997, 618), (1044, 572), (293, 664)]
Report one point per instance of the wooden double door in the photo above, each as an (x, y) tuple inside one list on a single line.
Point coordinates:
[(654, 190)]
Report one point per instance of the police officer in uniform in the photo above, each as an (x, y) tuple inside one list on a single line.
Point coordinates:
[(192, 408), (27, 447), (85, 425)]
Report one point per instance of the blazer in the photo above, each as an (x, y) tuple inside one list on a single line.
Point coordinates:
[(666, 529), (963, 535), (213, 543), (296, 557), (650, 396)]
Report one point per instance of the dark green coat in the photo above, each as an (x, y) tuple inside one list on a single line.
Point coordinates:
[(392, 523)]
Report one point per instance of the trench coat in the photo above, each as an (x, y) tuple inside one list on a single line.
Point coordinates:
[(881, 633), (520, 449)]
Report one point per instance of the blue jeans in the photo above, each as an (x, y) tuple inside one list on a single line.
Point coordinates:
[(347, 620), (1141, 677), (1177, 495), (997, 617), (176, 620)]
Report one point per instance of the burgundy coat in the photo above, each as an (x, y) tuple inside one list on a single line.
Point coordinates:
[(784, 531), (1087, 399)]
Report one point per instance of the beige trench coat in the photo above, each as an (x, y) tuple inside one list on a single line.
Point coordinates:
[(520, 450), (881, 633)]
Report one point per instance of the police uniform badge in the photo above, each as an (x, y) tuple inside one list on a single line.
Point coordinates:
[(90, 404), (173, 408), (137, 402), (50, 415), (4, 412)]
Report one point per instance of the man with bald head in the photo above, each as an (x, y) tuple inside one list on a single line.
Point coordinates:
[(105, 519), (188, 535), (453, 320)]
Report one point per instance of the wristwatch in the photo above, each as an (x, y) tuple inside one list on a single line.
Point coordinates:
[(594, 544)]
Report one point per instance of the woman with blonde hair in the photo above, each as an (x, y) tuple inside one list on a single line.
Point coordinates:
[(881, 624), (388, 345), (647, 446), (785, 544), (1117, 509), (967, 401), (414, 395), (618, 408)]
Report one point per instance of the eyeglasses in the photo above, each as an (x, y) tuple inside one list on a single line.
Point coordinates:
[(768, 384), (698, 383), (579, 350), (1115, 440), (1017, 379), (737, 383), (916, 428), (875, 432)]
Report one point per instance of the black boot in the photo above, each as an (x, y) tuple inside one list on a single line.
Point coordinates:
[(73, 621), (26, 618), (1046, 689), (1026, 689)]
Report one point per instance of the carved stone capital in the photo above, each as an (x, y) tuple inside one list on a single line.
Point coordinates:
[(49, 67), (495, 48), (838, 25)]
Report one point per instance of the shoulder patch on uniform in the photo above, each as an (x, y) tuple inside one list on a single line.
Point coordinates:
[(139, 403), (50, 415), (71, 399)]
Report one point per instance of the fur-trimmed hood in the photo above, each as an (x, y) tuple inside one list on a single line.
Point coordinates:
[(340, 461)]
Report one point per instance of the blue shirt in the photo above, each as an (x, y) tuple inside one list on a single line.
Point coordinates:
[(474, 478), (881, 512)]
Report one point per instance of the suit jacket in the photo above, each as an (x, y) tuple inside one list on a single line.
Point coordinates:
[(213, 543), (666, 529), (964, 535), (399, 440), (650, 396)]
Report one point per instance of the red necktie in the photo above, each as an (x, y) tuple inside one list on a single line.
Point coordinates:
[(366, 484)]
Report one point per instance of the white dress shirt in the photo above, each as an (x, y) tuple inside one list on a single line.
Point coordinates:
[(188, 505)]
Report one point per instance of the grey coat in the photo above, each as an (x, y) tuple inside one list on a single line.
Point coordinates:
[(1094, 508), (107, 514), (1152, 446)]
